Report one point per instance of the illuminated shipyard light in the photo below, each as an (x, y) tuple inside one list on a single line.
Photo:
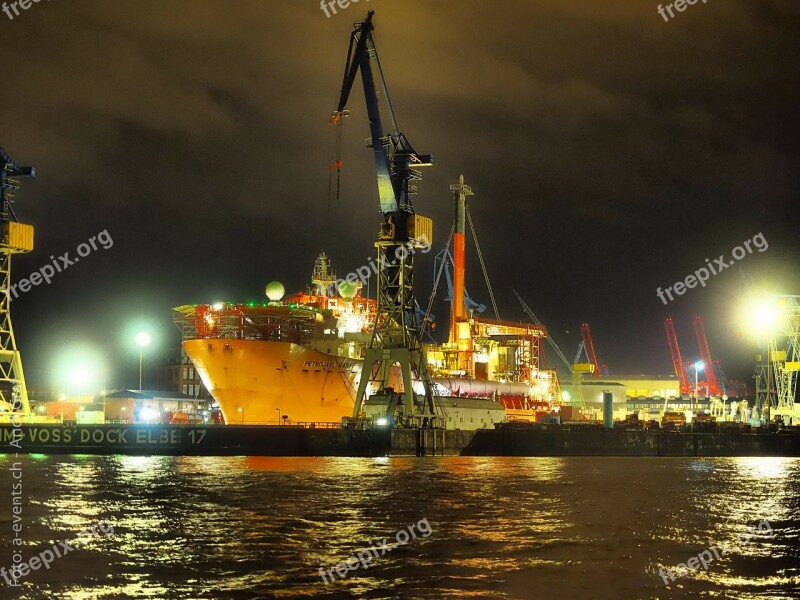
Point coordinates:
[(381, 421), (762, 315), (149, 414), (143, 339), (218, 306), (699, 366)]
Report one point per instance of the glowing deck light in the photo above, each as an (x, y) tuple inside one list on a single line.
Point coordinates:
[(149, 414), (381, 421), (218, 306)]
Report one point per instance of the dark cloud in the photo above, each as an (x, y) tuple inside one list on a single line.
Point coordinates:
[(610, 153)]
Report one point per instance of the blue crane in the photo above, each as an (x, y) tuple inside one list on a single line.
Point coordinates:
[(396, 335)]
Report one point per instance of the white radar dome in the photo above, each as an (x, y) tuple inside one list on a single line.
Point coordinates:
[(347, 290), (275, 291)]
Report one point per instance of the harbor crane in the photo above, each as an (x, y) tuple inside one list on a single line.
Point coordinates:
[(17, 238), (705, 356), (677, 358), (586, 347), (396, 336), (527, 309)]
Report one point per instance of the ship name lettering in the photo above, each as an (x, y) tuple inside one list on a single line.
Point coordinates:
[(163, 436), (99, 436), (12, 435), (197, 435), (319, 364)]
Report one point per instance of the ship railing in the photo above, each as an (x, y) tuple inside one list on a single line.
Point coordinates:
[(295, 424)]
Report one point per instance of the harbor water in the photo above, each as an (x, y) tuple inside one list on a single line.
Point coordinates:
[(458, 527)]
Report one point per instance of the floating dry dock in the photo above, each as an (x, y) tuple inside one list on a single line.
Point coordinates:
[(220, 440)]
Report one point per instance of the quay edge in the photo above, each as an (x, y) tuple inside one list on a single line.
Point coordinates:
[(219, 440)]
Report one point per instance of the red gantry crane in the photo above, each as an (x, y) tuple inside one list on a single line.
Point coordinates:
[(677, 358), (588, 346), (705, 356)]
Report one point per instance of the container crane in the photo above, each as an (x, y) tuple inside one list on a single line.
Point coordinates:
[(396, 336), (16, 238), (677, 358)]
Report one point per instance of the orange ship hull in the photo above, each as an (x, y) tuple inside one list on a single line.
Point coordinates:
[(271, 382)]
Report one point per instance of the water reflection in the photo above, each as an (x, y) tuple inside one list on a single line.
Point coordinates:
[(501, 527)]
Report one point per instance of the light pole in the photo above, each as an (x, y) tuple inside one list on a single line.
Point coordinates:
[(279, 415), (143, 340), (698, 366), (241, 410)]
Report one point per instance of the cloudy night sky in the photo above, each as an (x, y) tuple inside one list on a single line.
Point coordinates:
[(610, 153)]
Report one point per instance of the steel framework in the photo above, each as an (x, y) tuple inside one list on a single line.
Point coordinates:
[(13, 391)]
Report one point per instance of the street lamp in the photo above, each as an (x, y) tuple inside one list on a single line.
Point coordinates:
[(143, 340), (279, 415), (698, 366), (241, 410)]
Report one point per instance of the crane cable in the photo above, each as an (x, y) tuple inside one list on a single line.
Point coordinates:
[(438, 277), (335, 161), (483, 265)]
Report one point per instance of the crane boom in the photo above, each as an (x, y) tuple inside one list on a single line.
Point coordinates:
[(396, 161), (705, 355), (588, 344), (675, 354), (536, 321)]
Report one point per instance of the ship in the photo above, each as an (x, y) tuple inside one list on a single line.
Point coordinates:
[(291, 360), (297, 360)]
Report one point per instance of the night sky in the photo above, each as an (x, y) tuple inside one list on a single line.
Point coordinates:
[(610, 153)]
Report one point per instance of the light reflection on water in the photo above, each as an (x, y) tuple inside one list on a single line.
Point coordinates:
[(246, 527)]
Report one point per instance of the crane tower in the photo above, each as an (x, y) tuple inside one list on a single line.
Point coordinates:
[(16, 238), (396, 338)]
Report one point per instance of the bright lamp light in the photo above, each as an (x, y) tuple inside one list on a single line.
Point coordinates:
[(80, 375), (762, 315), (143, 339), (699, 366)]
